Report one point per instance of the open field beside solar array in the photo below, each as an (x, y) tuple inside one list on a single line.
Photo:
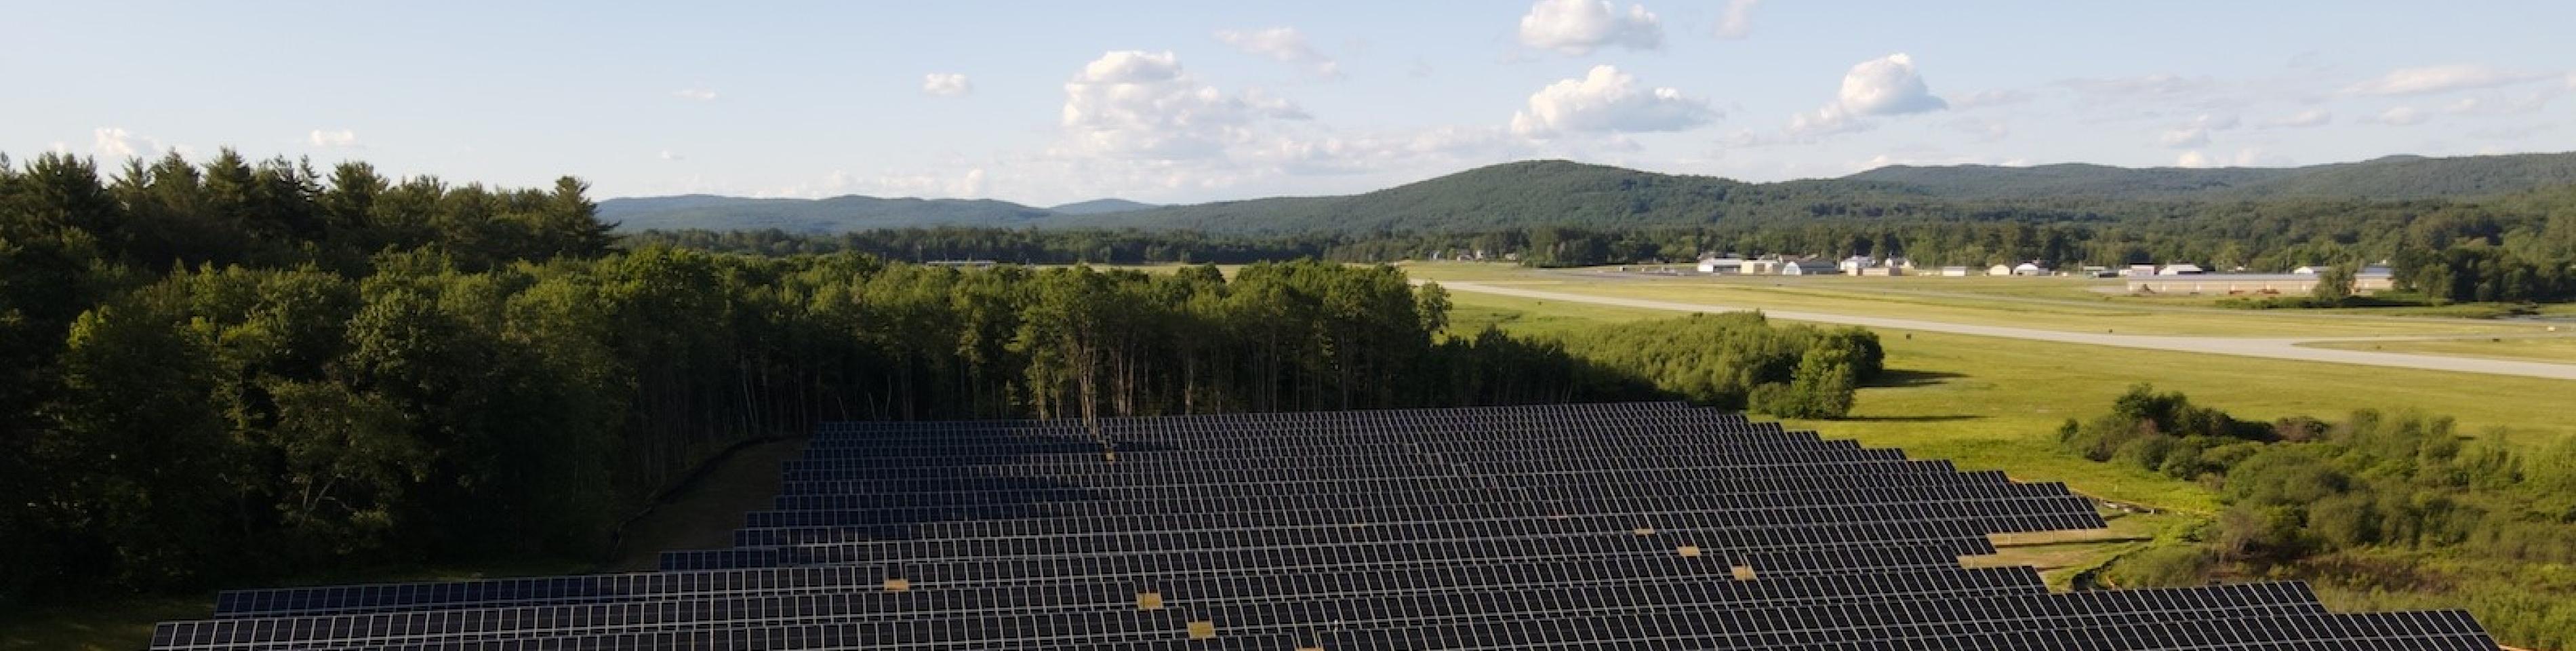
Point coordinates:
[(2065, 304), (2547, 349), (1639, 525)]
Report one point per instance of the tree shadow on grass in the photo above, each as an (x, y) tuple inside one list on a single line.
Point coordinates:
[(1899, 378), (1943, 418)]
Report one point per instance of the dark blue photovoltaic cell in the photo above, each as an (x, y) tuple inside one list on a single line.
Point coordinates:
[(1626, 526)]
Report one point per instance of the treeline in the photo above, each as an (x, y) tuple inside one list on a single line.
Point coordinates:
[(1740, 361), (1023, 246), (2377, 504), (2516, 248), (437, 373)]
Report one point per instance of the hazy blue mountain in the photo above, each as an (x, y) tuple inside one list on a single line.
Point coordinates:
[(832, 215), (2392, 177), (1562, 193), (1101, 206)]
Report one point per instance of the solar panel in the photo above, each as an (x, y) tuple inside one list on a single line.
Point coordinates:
[(1631, 526)]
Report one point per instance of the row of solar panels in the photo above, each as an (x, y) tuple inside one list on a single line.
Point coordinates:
[(1630, 526)]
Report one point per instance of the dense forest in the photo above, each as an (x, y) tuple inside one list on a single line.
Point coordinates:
[(2383, 509), (232, 371)]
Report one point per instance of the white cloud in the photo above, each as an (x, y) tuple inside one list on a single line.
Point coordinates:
[(1607, 101), (1986, 98), (2307, 118), (115, 143), (2247, 157), (667, 155), (1580, 26), (342, 139), (2402, 116), (1282, 44), (1884, 86), (946, 84), (1737, 22), (2197, 132), (1887, 86), (2184, 138), (1142, 105), (2439, 79), (697, 94)]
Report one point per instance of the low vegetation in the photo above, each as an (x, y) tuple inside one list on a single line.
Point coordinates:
[(2373, 504)]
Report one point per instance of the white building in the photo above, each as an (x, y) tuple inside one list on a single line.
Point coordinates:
[(1808, 268), (2180, 269), (1852, 266), (1954, 271), (1721, 266), (1999, 270), (2029, 269)]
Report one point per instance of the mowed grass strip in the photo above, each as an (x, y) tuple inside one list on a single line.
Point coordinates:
[(2529, 349)]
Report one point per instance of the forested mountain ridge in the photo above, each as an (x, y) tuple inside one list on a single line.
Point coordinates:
[(1100, 206), (2386, 178), (1555, 193)]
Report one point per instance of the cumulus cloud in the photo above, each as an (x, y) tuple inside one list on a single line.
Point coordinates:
[(1143, 105), (2197, 132), (343, 138), (2305, 119), (1282, 44), (115, 143), (697, 94), (1887, 86), (1884, 86), (1608, 101), (2439, 79), (2402, 116), (1581, 26), (946, 84), (667, 155), (1737, 22), (2248, 157)]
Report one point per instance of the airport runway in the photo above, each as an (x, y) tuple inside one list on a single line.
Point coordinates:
[(2267, 347)]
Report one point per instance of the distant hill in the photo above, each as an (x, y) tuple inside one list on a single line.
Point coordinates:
[(1562, 193), (832, 215), (1100, 206), (2393, 177)]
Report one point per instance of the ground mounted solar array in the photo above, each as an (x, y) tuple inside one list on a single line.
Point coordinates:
[(1617, 526)]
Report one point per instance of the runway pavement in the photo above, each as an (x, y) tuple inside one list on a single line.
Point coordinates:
[(2266, 347)]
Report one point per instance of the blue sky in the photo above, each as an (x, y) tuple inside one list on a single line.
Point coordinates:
[(1190, 101)]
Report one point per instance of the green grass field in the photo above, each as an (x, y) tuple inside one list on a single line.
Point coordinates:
[(2540, 349), (1996, 404)]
